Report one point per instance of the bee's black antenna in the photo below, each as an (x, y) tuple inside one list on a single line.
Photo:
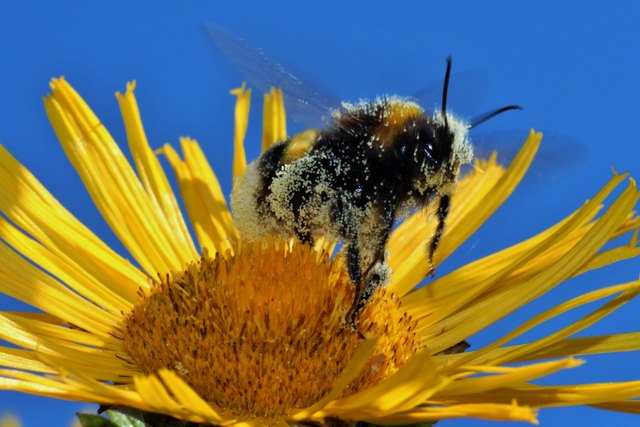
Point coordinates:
[(445, 89), (478, 120)]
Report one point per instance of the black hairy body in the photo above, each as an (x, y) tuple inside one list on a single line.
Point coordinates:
[(352, 180)]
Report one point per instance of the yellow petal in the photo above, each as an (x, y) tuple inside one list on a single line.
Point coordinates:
[(486, 307), (487, 411), (22, 280), (188, 398), (165, 393), (203, 197), (67, 271), (628, 292), (51, 342), (151, 174), (274, 126), (351, 371), (504, 377), (9, 420), (411, 385), (629, 406), (112, 183), (567, 347), (569, 395), (243, 103), (15, 358), (39, 215)]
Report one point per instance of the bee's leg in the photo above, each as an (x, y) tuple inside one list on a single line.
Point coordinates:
[(380, 243), (304, 234), (441, 214), (349, 230), (353, 267), (353, 262)]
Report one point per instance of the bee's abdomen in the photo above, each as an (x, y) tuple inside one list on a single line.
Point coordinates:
[(268, 165), (249, 199)]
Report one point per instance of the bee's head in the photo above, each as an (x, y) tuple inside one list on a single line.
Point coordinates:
[(450, 150), (454, 132), (441, 145)]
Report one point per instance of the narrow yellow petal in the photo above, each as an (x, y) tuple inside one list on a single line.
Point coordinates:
[(259, 423), (108, 369), (66, 270), (282, 116), (151, 174), (495, 305), (24, 281), (71, 386), (587, 345), (40, 325), (629, 406), (628, 292), (464, 281), (611, 256), (159, 396), (567, 347), (101, 363), (16, 358), (553, 396), (412, 384), (203, 197), (112, 183), (188, 398), (9, 420), (45, 386), (33, 209), (243, 103), (351, 371), (486, 411), (273, 119), (503, 377)]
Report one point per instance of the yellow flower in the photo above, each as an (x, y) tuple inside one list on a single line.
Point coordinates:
[(9, 420), (218, 330)]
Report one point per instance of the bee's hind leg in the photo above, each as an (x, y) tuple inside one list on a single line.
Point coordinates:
[(353, 267), (366, 282), (304, 236)]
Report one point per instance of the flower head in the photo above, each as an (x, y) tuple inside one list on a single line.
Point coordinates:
[(8, 420), (222, 331)]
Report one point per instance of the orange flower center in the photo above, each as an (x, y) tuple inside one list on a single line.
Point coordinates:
[(263, 332)]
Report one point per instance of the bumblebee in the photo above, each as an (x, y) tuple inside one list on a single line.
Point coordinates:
[(351, 180)]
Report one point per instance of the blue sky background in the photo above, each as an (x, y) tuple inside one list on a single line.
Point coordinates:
[(573, 66)]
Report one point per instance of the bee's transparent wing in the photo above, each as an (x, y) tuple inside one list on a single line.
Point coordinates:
[(558, 155), (308, 104)]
